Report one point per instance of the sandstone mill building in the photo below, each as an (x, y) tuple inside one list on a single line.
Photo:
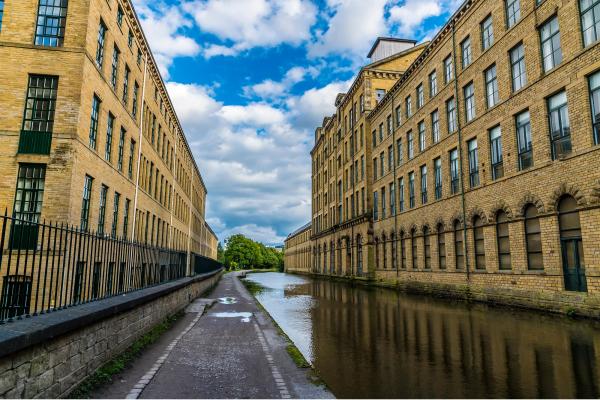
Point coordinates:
[(468, 165)]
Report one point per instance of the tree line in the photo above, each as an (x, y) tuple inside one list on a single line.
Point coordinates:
[(241, 252)]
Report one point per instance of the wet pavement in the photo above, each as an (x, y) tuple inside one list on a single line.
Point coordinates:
[(228, 350)]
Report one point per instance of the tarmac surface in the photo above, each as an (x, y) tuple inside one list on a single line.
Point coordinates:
[(224, 347)]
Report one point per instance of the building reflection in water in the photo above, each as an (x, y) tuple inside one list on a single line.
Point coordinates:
[(371, 342)]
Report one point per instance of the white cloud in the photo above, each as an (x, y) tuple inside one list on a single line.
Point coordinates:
[(411, 15), (245, 24), (272, 90)]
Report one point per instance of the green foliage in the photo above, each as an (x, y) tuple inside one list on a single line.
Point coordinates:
[(245, 253)]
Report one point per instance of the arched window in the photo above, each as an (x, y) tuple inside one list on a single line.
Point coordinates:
[(339, 255), (413, 241), (533, 238), (459, 251), (478, 243), (426, 248), (319, 259), (441, 239), (571, 245), (331, 258), (377, 266), (383, 250), (403, 250), (359, 264), (394, 250), (503, 240), (325, 258)]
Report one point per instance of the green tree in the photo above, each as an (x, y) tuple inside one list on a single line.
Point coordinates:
[(242, 252)]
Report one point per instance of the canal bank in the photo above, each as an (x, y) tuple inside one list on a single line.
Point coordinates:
[(371, 342)]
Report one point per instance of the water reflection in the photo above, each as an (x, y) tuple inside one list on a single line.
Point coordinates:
[(368, 342)]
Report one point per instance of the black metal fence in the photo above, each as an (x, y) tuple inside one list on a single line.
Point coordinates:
[(46, 267), (203, 265)]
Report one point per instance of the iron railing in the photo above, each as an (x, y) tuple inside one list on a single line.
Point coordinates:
[(46, 267)]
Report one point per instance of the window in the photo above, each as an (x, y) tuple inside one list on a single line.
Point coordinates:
[(503, 240), (100, 48), (411, 189), (517, 62), (448, 69), (435, 126), (390, 128), (392, 199), (411, 147), (114, 68), (375, 206), (109, 135), (465, 49), (432, 84), (459, 251), (399, 152), (451, 114), (437, 171), (121, 145), (1, 13), (454, 171), (473, 163), (413, 251), (594, 82), (513, 12), (139, 57), (375, 169), (362, 103), (29, 196), (94, 121), (382, 163), (115, 220), (403, 250), (560, 131), (422, 138), (441, 239), (362, 168), (119, 16), (134, 106), (424, 184), (469, 93), (374, 139), (390, 158), (381, 132), (524, 140), (401, 197), (51, 21), (590, 20), (491, 86), (496, 152), (130, 38), (131, 153), (479, 243), (487, 33), (420, 96), (102, 209), (408, 102), (551, 50), (38, 118), (533, 239), (379, 94), (85, 204), (398, 115), (426, 248), (126, 84)]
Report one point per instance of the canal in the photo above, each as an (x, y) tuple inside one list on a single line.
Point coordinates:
[(373, 342)]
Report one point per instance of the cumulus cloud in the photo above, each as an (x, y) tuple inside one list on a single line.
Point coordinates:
[(273, 90), (410, 16)]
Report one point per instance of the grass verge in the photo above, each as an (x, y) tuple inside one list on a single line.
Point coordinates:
[(106, 372)]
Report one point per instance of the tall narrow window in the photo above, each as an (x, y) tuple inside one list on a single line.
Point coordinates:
[(29, 194), (94, 121), (590, 20), (115, 219), (533, 238), (399, 152), (459, 251), (426, 248), (85, 204), (1, 13), (398, 115), (451, 114), (408, 107), (513, 12), (414, 249), (375, 169), (437, 169), (487, 33), (465, 49), (454, 182), (403, 250), (524, 140), (424, 184), (496, 152), (491, 86), (390, 158), (441, 240), (100, 44), (51, 22), (473, 163), (503, 240), (594, 82), (126, 85), (383, 205), (375, 206), (134, 104), (435, 126), (551, 49), (560, 128), (131, 155), (448, 69), (411, 145), (469, 94), (390, 127), (109, 135), (392, 199), (102, 209), (433, 84), (420, 96), (517, 62), (38, 118), (422, 138), (126, 218), (401, 194), (115, 68), (120, 150), (411, 189), (479, 243), (120, 15)]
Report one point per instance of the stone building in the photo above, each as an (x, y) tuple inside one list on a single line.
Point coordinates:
[(483, 179), (297, 250), (89, 135)]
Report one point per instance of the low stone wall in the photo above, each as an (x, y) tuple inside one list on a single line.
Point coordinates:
[(47, 356)]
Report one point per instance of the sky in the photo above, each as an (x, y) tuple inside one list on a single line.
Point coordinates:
[(251, 80)]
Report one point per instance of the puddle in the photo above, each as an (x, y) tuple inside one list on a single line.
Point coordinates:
[(245, 316), (227, 300)]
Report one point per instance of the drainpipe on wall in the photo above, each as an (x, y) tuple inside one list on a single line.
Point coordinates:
[(397, 234)]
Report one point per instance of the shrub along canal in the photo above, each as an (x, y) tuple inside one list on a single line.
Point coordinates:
[(375, 342)]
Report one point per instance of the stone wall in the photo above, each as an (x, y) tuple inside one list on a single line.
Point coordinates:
[(47, 356)]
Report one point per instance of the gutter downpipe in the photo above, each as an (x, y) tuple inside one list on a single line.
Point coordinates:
[(397, 234)]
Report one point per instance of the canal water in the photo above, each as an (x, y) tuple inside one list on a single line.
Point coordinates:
[(378, 343)]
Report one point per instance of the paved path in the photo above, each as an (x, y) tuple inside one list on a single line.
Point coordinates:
[(231, 351)]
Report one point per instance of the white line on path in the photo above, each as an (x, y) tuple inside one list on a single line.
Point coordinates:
[(283, 390)]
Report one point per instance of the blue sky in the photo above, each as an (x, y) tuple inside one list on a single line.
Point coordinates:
[(252, 79)]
